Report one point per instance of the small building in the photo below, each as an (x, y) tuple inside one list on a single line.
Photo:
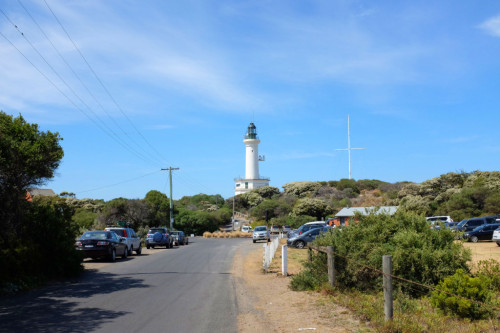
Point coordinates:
[(32, 192), (345, 215)]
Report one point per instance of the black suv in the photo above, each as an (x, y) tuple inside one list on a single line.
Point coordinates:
[(159, 237)]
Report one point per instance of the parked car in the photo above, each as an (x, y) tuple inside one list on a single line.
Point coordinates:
[(470, 224), (158, 237), (285, 229), (446, 225), (101, 244), (496, 236), (483, 232), (246, 228), (434, 219), (261, 233), (131, 239), (179, 237), (301, 240), (275, 229), (305, 227)]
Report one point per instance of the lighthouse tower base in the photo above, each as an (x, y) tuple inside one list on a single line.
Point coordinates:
[(246, 185)]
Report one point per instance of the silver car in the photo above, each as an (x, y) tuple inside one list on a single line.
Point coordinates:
[(260, 233)]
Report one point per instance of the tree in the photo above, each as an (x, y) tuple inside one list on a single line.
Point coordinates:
[(28, 157), (159, 208)]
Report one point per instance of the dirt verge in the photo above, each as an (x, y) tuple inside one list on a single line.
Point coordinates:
[(266, 304)]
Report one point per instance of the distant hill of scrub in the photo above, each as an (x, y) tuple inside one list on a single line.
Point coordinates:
[(460, 195)]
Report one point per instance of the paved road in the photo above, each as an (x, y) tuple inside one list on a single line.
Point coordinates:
[(184, 289)]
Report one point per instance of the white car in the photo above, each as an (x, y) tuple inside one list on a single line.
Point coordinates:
[(246, 228), (496, 236)]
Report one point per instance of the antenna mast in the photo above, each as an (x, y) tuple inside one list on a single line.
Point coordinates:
[(349, 145)]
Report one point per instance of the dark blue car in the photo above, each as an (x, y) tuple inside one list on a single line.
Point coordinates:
[(483, 232)]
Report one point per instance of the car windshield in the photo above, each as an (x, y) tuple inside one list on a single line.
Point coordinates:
[(260, 229), (119, 232), (478, 228), (461, 223), (96, 235), (152, 231)]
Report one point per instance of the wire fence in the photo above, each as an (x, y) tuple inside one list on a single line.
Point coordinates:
[(417, 286)]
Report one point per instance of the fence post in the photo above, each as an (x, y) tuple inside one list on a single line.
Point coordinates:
[(284, 267), (331, 266), (387, 268)]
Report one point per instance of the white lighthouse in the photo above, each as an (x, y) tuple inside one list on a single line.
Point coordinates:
[(252, 178)]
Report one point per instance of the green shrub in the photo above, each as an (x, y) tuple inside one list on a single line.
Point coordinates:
[(490, 269), (314, 276), (419, 253), (465, 296)]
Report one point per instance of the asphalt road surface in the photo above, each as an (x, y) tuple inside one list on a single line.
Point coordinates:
[(184, 289)]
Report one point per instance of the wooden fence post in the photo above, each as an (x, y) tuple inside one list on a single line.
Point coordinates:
[(284, 267), (387, 268), (331, 266)]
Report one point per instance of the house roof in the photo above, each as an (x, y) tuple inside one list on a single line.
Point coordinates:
[(41, 191), (351, 211)]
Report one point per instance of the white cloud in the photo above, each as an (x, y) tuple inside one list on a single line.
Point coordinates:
[(491, 26)]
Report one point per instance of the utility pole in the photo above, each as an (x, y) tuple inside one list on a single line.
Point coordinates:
[(349, 146), (234, 199), (171, 199)]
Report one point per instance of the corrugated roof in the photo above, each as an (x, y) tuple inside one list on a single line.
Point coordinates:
[(41, 191), (351, 211)]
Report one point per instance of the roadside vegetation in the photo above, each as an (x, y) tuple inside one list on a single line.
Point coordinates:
[(436, 289)]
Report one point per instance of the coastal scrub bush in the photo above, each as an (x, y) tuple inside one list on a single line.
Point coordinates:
[(419, 253), (464, 296)]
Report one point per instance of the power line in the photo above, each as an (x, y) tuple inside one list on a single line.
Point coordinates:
[(80, 80), (113, 135), (100, 82), (119, 183)]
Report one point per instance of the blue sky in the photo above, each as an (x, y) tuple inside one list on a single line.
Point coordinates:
[(181, 81)]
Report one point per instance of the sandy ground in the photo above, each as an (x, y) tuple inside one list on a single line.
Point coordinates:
[(484, 251)]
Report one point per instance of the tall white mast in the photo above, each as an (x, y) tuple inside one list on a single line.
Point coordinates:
[(349, 146)]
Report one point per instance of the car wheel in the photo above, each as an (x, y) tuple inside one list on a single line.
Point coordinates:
[(139, 250), (187, 241), (125, 253), (300, 244), (153, 246), (254, 240), (474, 239), (498, 243), (112, 258), (130, 253), (167, 246), (147, 247)]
